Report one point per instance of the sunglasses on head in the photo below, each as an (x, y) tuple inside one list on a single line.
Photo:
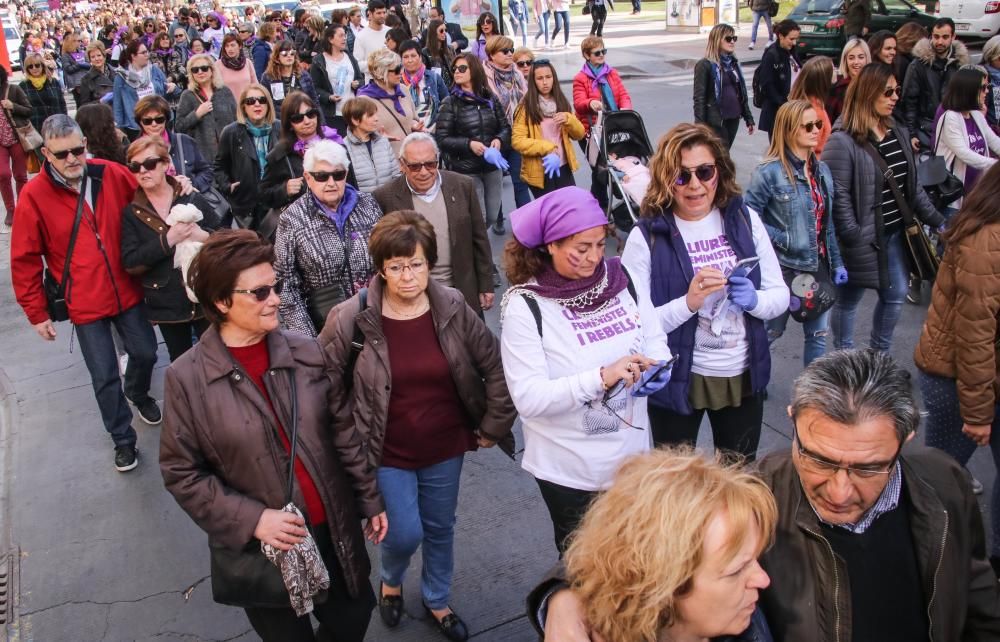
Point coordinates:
[(817, 125), (730, 39), (322, 177), (264, 291), (201, 69), (298, 118), (889, 91), (149, 165), (250, 101), (704, 173), (416, 167), (507, 50), (540, 61), (75, 151), (460, 69), (599, 52), (150, 120)]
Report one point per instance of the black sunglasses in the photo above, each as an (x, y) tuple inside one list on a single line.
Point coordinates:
[(264, 291), (298, 118), (35, 65), (397, 69), (704, 173), (460, 69), (178, 35), (818, 125), (149, 165), (322, 177), (250, 101), (244, 31), (200, 69), (76, 151), (416, 167), (599, 52), (149, 120), (507, 50), (523, 63), (730, 39), (889, 91)]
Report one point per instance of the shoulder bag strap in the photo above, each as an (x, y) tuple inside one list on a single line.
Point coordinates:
[(904, 207), (536, 312), (293, 440), (7, 112), (180, 152), (73, 234), (357, 342)]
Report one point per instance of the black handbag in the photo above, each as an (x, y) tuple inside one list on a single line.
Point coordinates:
[(937, 179), (586, 8), (220, 204), (321, 301), (246, 578), (55, 291)]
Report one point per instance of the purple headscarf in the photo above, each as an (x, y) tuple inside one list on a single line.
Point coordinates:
[(555, 216)]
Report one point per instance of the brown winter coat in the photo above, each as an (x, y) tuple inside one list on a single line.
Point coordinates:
[(959, 339), (472, 351), (221, 458)]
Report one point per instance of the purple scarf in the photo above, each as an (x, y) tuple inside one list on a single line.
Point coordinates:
[(596, 78), (326, 133), (372, 90), (552, 285), (468, 96)]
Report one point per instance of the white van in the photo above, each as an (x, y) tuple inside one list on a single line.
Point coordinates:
[(973, 19)]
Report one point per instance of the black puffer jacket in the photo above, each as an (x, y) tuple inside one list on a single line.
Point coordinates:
[(461, 121), (857, 212), (282, 164), (237, 163)]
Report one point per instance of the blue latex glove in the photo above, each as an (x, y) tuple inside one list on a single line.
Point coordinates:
[(550, 162), (742, 292), (495, 158), (648, 384), (840, 276), (108, 97)]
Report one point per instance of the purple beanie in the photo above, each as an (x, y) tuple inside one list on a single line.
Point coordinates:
[(555, 216)]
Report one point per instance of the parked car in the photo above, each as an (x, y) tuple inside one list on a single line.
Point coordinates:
[(822, 23), (973, 20), (13, 38)]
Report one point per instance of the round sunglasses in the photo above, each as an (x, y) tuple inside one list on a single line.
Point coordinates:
[(704, 173), (816, 124)]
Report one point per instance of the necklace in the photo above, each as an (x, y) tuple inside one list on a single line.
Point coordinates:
[(424, 305)]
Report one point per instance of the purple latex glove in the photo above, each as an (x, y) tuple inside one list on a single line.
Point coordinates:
[(550, 163), (742, 292), (840, 276), (495, 158), (649, 384)]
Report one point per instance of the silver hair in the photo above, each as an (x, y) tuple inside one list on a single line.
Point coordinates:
[(381, 61), (418, 137), (854, 386), (991, 50), (325, 151), (59, 126)]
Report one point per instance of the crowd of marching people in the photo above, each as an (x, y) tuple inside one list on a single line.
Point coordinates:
[(301, 209)]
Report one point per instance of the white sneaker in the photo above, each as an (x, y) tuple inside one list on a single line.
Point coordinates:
[(4, 228), (750, 47)]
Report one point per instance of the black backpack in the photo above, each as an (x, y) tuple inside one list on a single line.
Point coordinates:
[(536, 312)]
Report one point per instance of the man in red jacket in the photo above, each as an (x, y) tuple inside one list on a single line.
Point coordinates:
[(99, 293)]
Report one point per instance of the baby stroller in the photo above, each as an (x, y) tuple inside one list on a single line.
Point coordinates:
[(619, 134)]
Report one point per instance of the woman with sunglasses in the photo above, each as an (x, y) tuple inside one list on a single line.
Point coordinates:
[(720, 92), (509, 87), (98, 83), (813, 85), (43, 92), (271, 379), (335, 75), (705, 260), (214, 33), (152, 113), (233, 66), (544, 128), (149, 242), (323, 264), (206, 106), (136, 77), (853, 59), (523, 57), (472, 130), (578, 373), (426, 87), (397, 113), (283, 76), (437, 51), (866, 213), (793, 191), (486, 27)]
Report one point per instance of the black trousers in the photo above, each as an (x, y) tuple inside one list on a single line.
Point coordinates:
[(342, 618), (598, 13), (566, 508), (565, 179), (179, 337), (598, 178), (735, 430), (727, 133)]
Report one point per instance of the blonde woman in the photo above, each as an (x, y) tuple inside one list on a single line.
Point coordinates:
[(206, 106), (853, 59), (43, 91), (720, 92), (670, 551), (396, 113)]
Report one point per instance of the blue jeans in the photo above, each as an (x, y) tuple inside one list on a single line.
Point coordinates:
[(888, 308), (565, 21), (420, 505), (543, 26), (757, 16), (815, 331), (520, 26), (139, 342), (944, 432), (636, 5), (522, 195)]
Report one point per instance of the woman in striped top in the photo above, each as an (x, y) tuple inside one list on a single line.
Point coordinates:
[(866, 214)]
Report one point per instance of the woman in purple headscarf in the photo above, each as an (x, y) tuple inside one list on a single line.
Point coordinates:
[(581, 351)]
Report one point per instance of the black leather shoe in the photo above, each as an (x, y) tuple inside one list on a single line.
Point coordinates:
[(390, 608), (451, 625)]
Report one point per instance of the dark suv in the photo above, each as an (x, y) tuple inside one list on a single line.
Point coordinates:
[(822, 23)]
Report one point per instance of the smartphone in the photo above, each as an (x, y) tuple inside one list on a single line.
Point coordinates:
[(749, 264), (658, 369)]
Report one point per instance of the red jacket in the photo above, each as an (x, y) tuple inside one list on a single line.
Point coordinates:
[(584, 91), (99, 287)]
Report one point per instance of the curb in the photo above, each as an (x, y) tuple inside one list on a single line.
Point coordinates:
[(8, 401)]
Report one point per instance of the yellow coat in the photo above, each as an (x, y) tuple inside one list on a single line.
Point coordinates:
[(527, 140)]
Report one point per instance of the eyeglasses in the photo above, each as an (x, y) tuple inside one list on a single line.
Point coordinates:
[(250, 101), (599, 52), (416, 167), (150, 120), (730, 39), (263, 292), (889, 91), (201, 69), (819, 465), (75, 151), (178, 35), (609, 397), (506, 50), (460, 69), (322, 177), (704, 173), (817, 125), (523, 63), (149, 165), (298, 118), (416, 266)]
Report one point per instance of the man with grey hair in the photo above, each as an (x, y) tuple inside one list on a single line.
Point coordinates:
[(76, 202), (449, 201), (874, 542)]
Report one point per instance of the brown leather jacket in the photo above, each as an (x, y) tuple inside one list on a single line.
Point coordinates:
[(959, 339), (221, 458), (472, 351)]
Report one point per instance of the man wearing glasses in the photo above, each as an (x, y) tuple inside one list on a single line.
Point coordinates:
[(99, 293), (874, 542)]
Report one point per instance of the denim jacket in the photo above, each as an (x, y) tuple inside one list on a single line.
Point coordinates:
[(788, 213)]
